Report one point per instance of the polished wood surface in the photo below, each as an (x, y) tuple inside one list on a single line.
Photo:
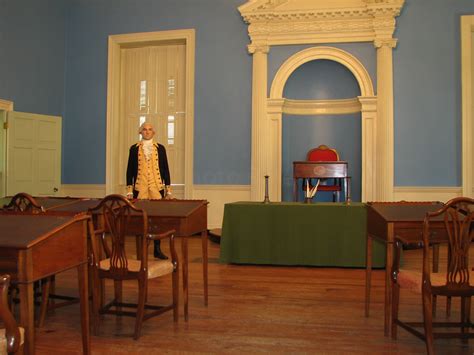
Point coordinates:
[(255, 309), (33, 247), (384, 221), (321, 170)]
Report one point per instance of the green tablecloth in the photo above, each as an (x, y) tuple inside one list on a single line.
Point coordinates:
[(286, 233)]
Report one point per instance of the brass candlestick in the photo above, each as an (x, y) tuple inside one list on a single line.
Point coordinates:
[(266, 199)]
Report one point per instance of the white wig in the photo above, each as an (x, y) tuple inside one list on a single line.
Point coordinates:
[(143, 125)]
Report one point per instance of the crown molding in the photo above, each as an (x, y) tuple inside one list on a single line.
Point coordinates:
[(280, 22), (314, 107)]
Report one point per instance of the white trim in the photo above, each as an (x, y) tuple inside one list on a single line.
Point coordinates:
[(313, 107), (426, 193), (82, 190), (6, 105), (467, 50), (116, 42)]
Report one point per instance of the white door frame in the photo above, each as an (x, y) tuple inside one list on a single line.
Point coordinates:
[(467, 72), (116, 43), (5, 106)]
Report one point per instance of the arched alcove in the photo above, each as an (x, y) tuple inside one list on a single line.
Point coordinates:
[(365, 104), (321, 80)]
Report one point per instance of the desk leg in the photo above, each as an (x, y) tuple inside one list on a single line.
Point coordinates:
[(388, 282), (368, 273), (184, 250), (82, 279), (204, 264), (27, 316)]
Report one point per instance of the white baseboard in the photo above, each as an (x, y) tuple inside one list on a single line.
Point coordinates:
[(426, 193), (218, 196), (83, 190)]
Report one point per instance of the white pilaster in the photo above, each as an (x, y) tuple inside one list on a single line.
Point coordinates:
[(369, 147), (260, 127), (384, 158)]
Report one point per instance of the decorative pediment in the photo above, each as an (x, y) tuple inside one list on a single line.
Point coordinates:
[(279, 22)]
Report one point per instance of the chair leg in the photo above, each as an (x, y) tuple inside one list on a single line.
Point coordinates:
[(465, 315), (448, 306), (175, 281), (140, 307), (395, 306), (118, 293), (428, 322), (96, 304), (45, 289)]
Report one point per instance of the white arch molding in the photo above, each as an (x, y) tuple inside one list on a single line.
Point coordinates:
[(286, 22), (367, 106)]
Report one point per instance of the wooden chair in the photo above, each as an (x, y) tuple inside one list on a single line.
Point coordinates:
[(455, 223), (11, 336), (324, 153), (116, 218), (23, 202)]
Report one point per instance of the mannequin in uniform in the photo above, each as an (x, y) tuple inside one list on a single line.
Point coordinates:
[(148, 175)]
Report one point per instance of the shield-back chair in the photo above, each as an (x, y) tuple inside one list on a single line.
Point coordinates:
[(115, 218), (454, 224)]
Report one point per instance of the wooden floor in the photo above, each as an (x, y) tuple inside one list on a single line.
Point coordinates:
[(253, 309)]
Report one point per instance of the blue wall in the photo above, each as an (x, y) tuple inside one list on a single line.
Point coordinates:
[(40, 40), (32, 47), (427, 89), (223, 83)]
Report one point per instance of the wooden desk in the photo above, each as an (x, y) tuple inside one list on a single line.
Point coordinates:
[(187, 217), (33, 247), (321, 170), (385, 220)]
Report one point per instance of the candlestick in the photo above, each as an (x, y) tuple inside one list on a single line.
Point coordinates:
[(267, 199)]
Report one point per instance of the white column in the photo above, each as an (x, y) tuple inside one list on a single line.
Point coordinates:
[(384, 159), (260, 129), (369, 147)]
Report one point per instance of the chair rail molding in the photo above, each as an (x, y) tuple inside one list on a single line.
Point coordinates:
[(467, 82), (284, 22)]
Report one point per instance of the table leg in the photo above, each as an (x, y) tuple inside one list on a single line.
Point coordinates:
[(82, 279), (204, 265), (388, 284), (27, 316), (184, 250), (368, 273)]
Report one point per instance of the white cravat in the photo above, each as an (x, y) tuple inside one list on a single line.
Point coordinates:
[(147, 148)]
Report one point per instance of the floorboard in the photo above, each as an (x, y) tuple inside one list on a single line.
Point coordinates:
[(254, 309)]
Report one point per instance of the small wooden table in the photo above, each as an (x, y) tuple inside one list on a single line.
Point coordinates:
[(33, 247), (385, 220), (321, 170)]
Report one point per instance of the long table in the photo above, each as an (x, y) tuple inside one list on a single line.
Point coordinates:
[(288, 233), (32, 248)]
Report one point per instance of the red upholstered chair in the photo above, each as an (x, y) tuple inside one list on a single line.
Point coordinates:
[(324, 153), (454, 222)]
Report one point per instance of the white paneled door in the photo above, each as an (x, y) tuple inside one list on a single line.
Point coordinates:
[(33, 154)]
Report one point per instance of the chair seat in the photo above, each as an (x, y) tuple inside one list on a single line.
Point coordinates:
[(412, 280), (155, 267), (3, 340)]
